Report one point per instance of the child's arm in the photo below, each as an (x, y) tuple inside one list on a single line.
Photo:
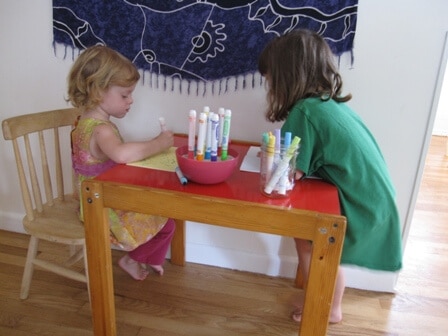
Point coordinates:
[(105, 143), (299, 174)]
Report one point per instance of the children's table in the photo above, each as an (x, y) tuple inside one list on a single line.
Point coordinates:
[(311, 212)]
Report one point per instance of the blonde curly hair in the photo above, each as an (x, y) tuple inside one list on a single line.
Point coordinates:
[(95, 70)]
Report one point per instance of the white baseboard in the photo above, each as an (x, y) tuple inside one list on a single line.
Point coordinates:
[(273, 265), (285, 266), (376, 281), (11, 222), (269, 264)]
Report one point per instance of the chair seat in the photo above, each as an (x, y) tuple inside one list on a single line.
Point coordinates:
[(58, 223)]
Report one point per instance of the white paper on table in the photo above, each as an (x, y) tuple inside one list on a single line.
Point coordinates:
[(251, 162)]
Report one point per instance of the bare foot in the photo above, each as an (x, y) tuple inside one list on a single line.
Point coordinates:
[(157, 268), (133, 268), (335, 317)]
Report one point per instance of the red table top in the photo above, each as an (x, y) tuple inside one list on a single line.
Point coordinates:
[(308, 194)]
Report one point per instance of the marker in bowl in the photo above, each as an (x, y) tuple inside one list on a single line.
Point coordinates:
[(225, 134), (191, 133), (202, 130), (214, 137)]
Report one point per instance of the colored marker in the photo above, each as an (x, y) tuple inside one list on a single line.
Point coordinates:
[(202, 129), (265, 139), (225, 134), (162, 124), (264, 144), (270, 148), (284, 184), (221, 113), (287, 140), (277, 135), (214, 137), (182, 179), (208, 137), (191, 133)]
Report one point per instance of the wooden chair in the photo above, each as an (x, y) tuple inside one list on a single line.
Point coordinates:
[(50, 213)]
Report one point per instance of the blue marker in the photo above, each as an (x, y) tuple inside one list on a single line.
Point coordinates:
[(182, 179), (287, 140)]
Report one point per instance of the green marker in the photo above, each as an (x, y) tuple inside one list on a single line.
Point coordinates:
[(225, 134)]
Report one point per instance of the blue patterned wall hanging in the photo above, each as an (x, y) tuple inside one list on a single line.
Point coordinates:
[(199, 40)]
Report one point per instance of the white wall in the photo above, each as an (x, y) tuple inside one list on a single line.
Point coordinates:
[(441, 120), (397, 54)]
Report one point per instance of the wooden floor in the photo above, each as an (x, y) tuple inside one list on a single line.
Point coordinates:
[(201, 300)]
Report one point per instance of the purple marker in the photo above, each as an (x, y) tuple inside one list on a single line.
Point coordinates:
[(214, 137)]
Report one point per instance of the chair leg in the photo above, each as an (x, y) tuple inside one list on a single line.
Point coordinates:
[(72, 250), (29, 267), (86, 267), (75, 255)]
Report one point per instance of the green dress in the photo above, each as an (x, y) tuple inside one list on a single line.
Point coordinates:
[(337, 146)]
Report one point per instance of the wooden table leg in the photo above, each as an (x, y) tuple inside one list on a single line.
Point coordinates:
[(326, 254), (178, 244), (99, 260)]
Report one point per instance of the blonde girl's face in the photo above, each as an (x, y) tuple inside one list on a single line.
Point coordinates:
[(117, 100)]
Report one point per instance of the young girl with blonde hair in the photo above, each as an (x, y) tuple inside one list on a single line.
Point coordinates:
[(100, 84)]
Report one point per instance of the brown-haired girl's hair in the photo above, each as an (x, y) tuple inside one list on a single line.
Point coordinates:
[(298, 65), (94, 71)]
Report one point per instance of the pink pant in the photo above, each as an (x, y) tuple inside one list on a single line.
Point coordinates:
[(154, 251)]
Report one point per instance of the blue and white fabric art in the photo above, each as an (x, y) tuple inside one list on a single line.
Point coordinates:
[(199, 40)]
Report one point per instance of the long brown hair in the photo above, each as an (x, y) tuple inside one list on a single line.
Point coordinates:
[(298, 65)]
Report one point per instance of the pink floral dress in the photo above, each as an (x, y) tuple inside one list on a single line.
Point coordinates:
[(128, 229)]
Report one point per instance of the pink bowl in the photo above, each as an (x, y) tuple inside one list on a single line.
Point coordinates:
[(206, 172)]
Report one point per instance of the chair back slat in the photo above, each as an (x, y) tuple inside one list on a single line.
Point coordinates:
[(26, 196), (45, 169), (35, 188), (58, 166)]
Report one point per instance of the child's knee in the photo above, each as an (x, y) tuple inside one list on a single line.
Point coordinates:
[(170, 226)]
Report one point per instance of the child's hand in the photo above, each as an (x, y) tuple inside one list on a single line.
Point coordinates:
[(165, 140)]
